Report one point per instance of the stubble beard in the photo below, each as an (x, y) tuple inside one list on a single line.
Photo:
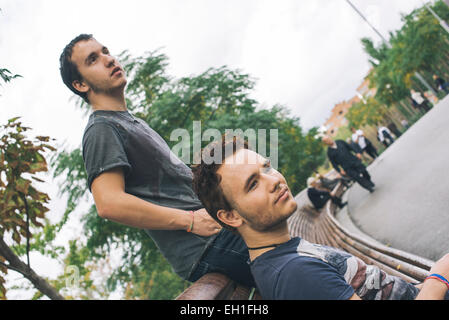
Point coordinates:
[(268, 224), (110, 91)]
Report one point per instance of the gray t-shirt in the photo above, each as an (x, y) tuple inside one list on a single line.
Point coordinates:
[(152, 172)]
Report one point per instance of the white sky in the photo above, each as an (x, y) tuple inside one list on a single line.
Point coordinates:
[(304, 54)]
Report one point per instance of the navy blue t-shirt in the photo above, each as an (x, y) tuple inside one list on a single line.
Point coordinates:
[(300, 270)]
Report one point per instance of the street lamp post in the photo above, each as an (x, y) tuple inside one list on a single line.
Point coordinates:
[(366, 20), (443, 23)]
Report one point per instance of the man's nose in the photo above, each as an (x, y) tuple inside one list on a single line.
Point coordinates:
[(109, 61), (273, 182)]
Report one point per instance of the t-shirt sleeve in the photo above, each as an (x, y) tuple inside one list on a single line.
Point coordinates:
[(312, 279), (103, 150)]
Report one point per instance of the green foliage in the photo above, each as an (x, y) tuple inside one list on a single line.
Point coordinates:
[(7, 76), (22, 205), (18, 197), (370, 113), (421, 45)]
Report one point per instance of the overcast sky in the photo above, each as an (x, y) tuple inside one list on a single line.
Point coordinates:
[(305, 54)]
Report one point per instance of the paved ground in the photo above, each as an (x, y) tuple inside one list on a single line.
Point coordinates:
[(410, 208)]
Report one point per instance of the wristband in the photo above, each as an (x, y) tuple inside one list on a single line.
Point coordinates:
[(439, 277), (191, 224)]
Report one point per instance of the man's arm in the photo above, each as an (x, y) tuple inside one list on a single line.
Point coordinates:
[(353, 149), (113, 203), (355, 297), (334, 163), (433, 289)]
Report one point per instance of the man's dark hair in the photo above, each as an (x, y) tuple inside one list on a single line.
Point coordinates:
[(206, 181), (69, 70)]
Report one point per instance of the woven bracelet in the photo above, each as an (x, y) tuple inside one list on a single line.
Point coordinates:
[(439, 277), (191, 224)]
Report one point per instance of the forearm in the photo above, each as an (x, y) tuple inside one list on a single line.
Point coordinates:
[(335, 165), (132, 211), (432, 290)]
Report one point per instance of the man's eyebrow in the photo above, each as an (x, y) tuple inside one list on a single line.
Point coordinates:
[(251, 178), (92, 54), (86, 61), (255, 174)]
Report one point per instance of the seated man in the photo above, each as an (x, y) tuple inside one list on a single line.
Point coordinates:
[(330, 184), (319, 196), (245, 194)]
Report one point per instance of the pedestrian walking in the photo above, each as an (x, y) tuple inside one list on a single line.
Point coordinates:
[(441, 84), (420, 101), (384, 135), (340, 154), (364, 143)]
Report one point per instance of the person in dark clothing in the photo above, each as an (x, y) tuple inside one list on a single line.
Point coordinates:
[(319, 197), (384, 135), (441, 83), (340, 155), (354, 145), (330, 184), (370, 149)]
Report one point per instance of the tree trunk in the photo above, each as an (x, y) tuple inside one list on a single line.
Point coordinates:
[(17, 265)]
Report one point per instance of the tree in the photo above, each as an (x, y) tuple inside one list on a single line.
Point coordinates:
[(420, 46), (22, 205)]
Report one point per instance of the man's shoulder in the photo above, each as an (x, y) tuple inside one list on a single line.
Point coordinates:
[(103, 118), (104, 123), (340, 143)]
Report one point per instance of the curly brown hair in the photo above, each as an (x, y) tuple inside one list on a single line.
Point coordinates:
[(206, 180)]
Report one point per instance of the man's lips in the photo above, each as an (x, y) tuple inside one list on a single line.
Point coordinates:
[(281, 194), (116, 69)]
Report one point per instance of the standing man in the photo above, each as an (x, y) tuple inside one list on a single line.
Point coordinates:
[(441, 84), (421, 102), (359, 137), (134, 177), (340, 155), (384, 134)]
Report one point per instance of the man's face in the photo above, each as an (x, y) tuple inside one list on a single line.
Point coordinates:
[(100, 71), (328, 140), (258, 192)]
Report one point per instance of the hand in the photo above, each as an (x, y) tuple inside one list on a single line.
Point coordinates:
[(342, 172), (204, 224), (359, 156)]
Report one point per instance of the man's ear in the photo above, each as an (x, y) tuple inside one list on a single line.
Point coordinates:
[(80, 86), (230, 218)]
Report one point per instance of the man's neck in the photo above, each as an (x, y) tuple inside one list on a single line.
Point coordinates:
[(271, 238), (108, 102)]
